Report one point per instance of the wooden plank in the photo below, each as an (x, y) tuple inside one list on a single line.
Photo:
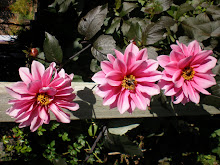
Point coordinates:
[(91, 106)]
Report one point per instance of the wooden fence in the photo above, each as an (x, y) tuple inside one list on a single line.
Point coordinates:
[(91, 106)]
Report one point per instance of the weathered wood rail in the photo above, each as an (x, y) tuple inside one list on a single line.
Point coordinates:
[(91, 106)]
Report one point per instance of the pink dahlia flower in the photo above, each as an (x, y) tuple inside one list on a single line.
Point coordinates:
[(38, 92), (187, 72), (128, 81)]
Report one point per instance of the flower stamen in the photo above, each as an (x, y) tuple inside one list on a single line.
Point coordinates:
[(188, 73), (129, 82), (43, 99)]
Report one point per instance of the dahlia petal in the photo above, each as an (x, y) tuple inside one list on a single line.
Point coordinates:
[(149, 88), (62, 73), (198, 88), (142, 54), (110, 98), (36, 121), (111, 58), (185, 90), (179, 97), (150, 76), (176, 48), (48, 90), (184, 62), (131, 48), (20, 87), (99, 77), (13, 93), (119, 55), (184, 49), (46, 78), (204, 80), (114, 78), (138, 67), (163, 60), (67, 105), (106, 66), (178, 80), (123, 104), (176, 56), (206, 65), (25, 75), (193, 95), (139, 100), (194, 47), (60, 115), (120, 66), (201, 56), (65, 90), (171, 68), (130, 60), (152, 65), (37, 70), (34, 86)]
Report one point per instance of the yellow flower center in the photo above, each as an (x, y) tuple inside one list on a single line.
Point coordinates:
[(129, 82), (43, 99), (188, 73)]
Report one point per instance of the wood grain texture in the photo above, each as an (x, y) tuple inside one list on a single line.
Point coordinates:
[(91, 106)]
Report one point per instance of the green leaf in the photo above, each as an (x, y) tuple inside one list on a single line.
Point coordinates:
[(52, 49), (94, 67), (127, 8), (65, 5), (77, 78), (122, 126), (104, 45), (135, 32), (185, 7), (59, 161), (152, 54), (121, 144), (90, 24), (114, 25), (214, 11)]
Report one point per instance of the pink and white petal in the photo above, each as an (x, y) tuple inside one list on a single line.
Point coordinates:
[(25, 75), (99, 77), (201, 56), (47, 76), (163, 60), (185, 89), (13, 93), (120, 66), (185, 62), (34, 86), (204, 80), (43, 113), (106, 66), (123, 103), (48, 90), (67, 97), (149, 77), (206, 65), (23, 117), (179, 97), (183, 48), (171, 68), (176, 48), (65, 90), (149, 88), (114, 78), (67, 105), (36, 121), (142, 54), (139, 100), (194, 47), (152, 65), (110, 98), (166, 76), (62, 73), (37, 70), (178, 80), (119, 55), (114, 104), (193, 95), (20, 87), (130, 60), (176, 56), (131, 48), (111, 58), (200, 89), (138, 67), (60, 115)]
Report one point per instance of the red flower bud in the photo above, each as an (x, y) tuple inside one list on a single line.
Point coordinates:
[(34, 52)]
